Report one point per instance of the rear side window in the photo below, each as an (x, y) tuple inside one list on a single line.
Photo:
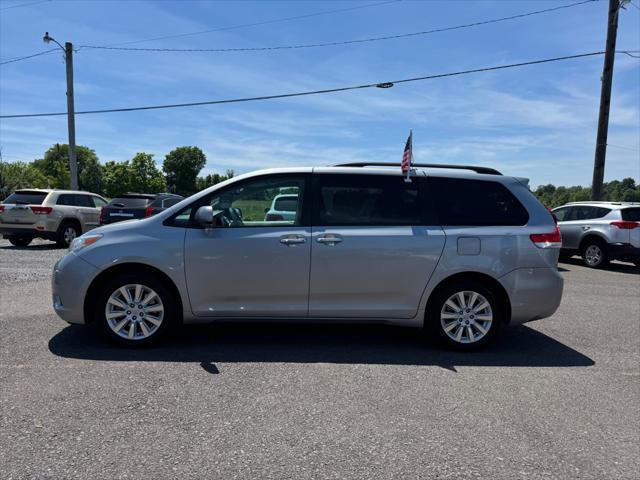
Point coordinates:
[(26, 198), (587, 213), (130, 202), (464, 202), (75, 200), (84, 201), (371, 200), (66, 199), (631, 214)]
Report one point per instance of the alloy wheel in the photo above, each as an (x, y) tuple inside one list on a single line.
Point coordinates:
[(69, 234), (593, 255), (134, 312), (466, 317)]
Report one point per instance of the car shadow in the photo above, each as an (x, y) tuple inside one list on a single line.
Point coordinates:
[(342, 344), (615, 266), (39, 246)]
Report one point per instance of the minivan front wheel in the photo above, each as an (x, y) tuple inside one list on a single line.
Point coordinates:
[(136, 309), (465, 315)]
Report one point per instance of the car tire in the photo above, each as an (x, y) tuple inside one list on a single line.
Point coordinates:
[(142, 321), (473, 323), (66, 233), (594, 253), (19, 240)]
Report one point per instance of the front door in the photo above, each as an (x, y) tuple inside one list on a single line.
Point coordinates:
[(372, 252), (249, 265)]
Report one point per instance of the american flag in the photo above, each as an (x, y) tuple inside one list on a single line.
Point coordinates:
[(407, 155)]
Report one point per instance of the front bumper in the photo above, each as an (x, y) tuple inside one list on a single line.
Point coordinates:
[(534, 293), (69, 284)]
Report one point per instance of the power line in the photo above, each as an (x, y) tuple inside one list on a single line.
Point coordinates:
[(344, 42), (29, 56), (313, 92), (634, 5), (390, 37), (254, 24), (25, 4)]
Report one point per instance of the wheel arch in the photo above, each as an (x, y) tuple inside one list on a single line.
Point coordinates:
[(592, 236), (487, 280), (130, 267), (70, 220)]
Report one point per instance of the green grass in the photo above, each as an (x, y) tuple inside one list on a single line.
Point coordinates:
[(252, 210)]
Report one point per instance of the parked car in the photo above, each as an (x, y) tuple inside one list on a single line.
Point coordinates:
[(59, 215), (137, 205), (600, 231), (283, 207), (460, 253)]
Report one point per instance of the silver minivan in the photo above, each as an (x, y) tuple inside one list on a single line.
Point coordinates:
[(461, 251)]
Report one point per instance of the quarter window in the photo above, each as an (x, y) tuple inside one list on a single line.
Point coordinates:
[(372, 200), (464, 202)]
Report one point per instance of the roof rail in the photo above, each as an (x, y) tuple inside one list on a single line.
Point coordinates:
[(602, 201), (485, 170)]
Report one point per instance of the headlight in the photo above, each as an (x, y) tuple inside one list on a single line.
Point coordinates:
[(84, 241)]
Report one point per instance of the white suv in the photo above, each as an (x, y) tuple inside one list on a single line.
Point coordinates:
[(59, 215)]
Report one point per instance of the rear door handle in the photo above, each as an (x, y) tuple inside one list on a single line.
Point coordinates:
[(330, 239), (292, 240)]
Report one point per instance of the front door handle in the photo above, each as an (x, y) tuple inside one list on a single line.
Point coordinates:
[(586, 227), (292, 240), (330, 239)]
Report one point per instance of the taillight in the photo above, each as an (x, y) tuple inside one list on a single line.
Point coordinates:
[(1, 208), (625, 224), (273, 217), (148, 211), (101, 220), (41, 210), (547, 240)]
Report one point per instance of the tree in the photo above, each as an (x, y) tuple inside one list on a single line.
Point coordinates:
[(181, 167), (55, 165), (614, 191), (212, 179), (145, 176), (117, 179), (15, 175)]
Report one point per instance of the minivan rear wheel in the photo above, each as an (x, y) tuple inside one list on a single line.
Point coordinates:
[(136, 309), (465, 315)]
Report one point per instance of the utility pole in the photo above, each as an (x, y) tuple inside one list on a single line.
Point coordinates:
[(605, 100), (71, 116), (71, 119)]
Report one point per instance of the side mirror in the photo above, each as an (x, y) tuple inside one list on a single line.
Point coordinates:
[(206, 216)]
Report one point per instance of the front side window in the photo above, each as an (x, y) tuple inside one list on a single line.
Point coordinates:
[(98, 202), (467, 202), (366, 200), (581, 213), (252, 203)]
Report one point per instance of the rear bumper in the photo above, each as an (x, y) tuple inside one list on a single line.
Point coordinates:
[(27, 230), (534, 293), (69, 284), (623, 251)]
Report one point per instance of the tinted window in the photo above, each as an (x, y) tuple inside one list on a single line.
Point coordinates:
[(66, 199), (631, 214), (286, 204), (130, 202), (587, 213), (31, 198), (376, 200), (562, 214), (465, 202), (84, 201)]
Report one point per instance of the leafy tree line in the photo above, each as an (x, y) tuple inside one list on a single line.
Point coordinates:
[(624, 190), (179, 174)]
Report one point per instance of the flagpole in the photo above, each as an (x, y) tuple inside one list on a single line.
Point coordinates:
[(407, 178)]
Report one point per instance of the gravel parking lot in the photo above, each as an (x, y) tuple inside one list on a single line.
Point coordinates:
[(559, 398)]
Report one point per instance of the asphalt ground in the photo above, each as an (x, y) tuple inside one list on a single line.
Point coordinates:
[(559, 398)]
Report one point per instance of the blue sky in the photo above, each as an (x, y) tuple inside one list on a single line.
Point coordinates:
[(538, 121)]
